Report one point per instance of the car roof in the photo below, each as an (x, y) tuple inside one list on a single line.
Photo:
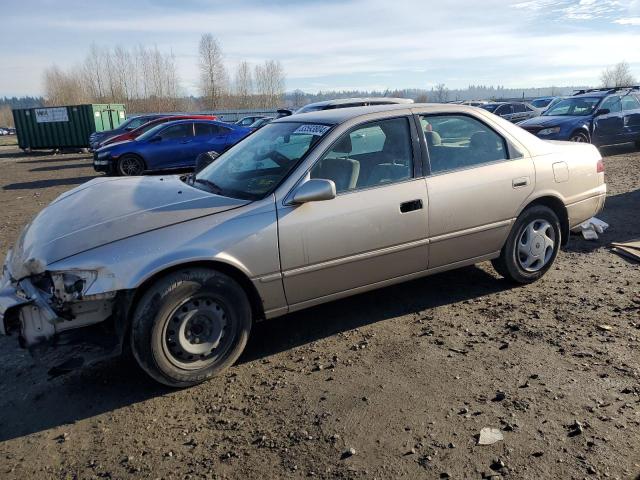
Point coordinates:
[(346, 101), (199, 120), (339, 115)]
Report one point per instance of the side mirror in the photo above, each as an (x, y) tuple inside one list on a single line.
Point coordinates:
[(155, 139), (603, 111), (315, 190), (204, 160)]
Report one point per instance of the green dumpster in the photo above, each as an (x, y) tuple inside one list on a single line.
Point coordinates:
[(65, 126)]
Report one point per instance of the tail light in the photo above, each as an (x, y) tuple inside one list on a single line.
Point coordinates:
[(600, 166)]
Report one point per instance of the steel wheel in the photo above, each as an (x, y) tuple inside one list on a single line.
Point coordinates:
[(198, 333), (579, 138), (130, 165), (536, 245)]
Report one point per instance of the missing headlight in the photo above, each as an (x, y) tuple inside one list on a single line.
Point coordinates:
[(72, 285)]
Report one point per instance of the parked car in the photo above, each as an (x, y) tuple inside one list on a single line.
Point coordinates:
[(4, 131), (12, 131), (306, 210), (132, 134), (513, 111), (261, 122), (128, 125), (351, 102), (248, 120), (598, 116), (171, 145)]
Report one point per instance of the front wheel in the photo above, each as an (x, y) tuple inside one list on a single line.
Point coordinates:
[(579, 137), (190, 326), (532, 246), (130, 165)]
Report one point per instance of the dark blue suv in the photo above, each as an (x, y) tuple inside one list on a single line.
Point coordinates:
[(603, 116)]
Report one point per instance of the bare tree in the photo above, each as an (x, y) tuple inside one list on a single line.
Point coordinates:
[(213, 75), (440, 93), (243, 85), (63, 88), (270, 81), (617, 76)]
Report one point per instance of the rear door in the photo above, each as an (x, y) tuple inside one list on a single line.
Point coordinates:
[(631, 111), (476, 185), (208, 137)]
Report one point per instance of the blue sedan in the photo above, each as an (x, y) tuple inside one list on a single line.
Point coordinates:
[(169, 146), (600, 116)]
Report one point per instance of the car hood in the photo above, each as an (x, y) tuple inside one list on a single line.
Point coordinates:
[(105, 210), (550, 121), (105, 148)]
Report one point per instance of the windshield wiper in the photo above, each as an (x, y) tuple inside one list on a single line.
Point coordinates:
[(215, 188)]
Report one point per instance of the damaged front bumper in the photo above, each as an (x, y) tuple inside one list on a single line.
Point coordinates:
[(59, 332)]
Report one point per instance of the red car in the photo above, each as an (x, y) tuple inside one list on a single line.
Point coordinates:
[(130, 135)]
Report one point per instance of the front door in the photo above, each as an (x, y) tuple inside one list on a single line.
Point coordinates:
[(631, 110), (173, 148), (608, 128), (476, 186), (376, 227)]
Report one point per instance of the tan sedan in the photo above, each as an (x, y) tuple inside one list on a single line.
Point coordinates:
[(310, 208)]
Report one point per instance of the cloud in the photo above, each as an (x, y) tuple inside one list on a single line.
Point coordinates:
[(350, 43)]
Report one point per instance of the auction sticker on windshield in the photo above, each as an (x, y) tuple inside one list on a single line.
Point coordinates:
[(318, 130)]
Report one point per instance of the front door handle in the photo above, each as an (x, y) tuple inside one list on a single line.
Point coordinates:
[(407, 207), (520, 182)]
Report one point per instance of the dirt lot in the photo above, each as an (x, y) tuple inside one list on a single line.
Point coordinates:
[(406, 376)]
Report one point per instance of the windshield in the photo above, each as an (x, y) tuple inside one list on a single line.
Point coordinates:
[(135, 122), (490, 107), (541, 103), (573, 107), (255, 167)]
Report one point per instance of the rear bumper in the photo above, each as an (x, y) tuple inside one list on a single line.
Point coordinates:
[(583, 210)]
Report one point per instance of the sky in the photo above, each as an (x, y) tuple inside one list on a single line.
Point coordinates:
[(337, 44)]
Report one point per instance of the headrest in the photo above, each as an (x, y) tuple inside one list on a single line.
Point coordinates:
[(483, 140), (433, 138), (343, 145)]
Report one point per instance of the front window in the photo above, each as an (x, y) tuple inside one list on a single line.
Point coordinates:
[(375, 154), (576, 106), (254, 167)]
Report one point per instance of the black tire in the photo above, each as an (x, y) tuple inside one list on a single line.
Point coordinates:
[(579, 137), (130, 165), (157, 324), (510, 264)]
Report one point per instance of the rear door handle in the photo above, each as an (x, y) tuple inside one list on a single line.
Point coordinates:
[(410, 206), (520, 182)]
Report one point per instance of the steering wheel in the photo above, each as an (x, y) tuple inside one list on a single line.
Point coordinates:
[(279, 158)]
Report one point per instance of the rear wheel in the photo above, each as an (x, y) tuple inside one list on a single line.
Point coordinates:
[(579, 137), (190, 326), (532, 246), (130, 165)]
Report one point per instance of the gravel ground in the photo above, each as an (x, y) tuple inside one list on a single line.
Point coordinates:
[(397, 383)]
